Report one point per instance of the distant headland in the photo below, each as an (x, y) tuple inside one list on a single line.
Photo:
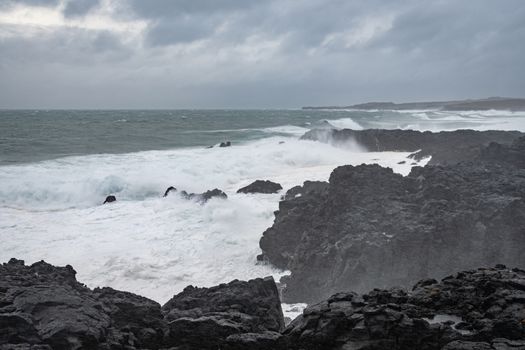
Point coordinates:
[(499, 103)]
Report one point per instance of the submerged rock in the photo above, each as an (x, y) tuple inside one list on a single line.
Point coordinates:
[(110, 199), (222, 144), (204, 197), (168, 190), (445, 147), (369, 227), (261, 186)]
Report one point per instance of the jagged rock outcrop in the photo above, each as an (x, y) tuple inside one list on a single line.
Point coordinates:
[(199, 197), (212, 317), (369, 227), (445, 147), (261, 186), (480, 309), (44, 307)]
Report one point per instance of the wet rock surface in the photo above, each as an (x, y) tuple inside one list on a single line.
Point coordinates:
[(445, 147), (199, 197), (369, 227), (261, 186), (110, 199), (505, 155), (44, 307), (476, 310), (235, 313)]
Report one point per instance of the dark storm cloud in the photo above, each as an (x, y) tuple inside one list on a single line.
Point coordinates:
[(79, 7), (268, 53)]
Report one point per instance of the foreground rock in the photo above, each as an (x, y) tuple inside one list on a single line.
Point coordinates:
[(471, 310), (446, 147), (369, 227), (213, 317), (260, 186), (44, 307)]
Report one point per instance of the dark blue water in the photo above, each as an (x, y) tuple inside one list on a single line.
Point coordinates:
[(27, 136), (31, 135)]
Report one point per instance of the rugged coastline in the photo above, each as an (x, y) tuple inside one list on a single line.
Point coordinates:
[(348, 243), (43, 307), (369, 227)]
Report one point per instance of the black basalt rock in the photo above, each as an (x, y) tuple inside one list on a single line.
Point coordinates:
[(261, 186), (370, 227), (44, 307), (445, 147), (215, 193), (457, 313), (168, 190), (229, 313), (110, 199)]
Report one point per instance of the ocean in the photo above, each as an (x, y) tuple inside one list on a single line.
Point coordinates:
[(57, 166)]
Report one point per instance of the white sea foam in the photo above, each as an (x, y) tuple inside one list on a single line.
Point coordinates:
[(345, 123), (151, 245), (287, 129), (434, 120)]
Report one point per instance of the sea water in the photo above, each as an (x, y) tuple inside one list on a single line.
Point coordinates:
[(56, 168)]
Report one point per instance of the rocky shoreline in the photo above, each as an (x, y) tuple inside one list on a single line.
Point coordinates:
[(369, 227), (43, 307), (364, 229), (445, 147)]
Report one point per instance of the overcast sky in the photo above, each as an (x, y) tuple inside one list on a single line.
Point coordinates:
[(256, 54)]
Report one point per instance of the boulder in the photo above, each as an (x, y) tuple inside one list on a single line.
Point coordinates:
[(261, 186), (110, 199), (216, 314)]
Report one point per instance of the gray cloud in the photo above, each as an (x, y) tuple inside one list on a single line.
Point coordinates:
[(45, 3), (75, 8), (273, 53)]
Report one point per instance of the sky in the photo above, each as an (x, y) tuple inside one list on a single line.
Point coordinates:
[(257, 53)]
